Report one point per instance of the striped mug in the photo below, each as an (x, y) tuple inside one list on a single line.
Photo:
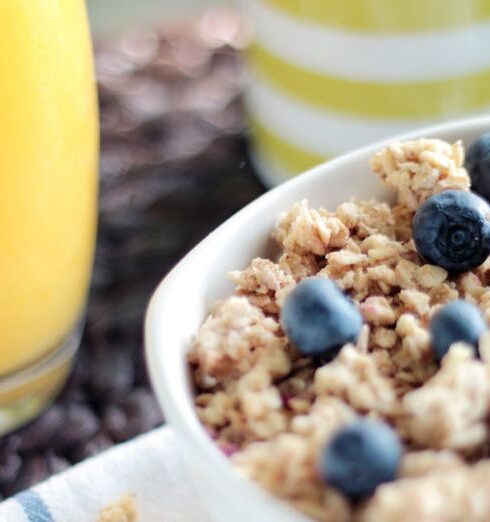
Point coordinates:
[(331, 75)]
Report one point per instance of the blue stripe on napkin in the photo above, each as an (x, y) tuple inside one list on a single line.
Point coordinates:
[(34, 507)]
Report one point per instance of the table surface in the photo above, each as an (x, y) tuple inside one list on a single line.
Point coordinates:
[(174, 165)]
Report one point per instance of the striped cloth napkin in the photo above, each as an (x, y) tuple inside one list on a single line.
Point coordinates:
[(148, 467)]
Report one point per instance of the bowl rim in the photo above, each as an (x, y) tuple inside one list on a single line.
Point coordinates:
[(157, 359)]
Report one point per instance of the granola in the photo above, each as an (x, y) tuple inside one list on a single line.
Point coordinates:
[(271, 410), (124, 510)]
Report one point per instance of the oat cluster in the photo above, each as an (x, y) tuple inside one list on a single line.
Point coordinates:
[(124, 510), (272, 410)]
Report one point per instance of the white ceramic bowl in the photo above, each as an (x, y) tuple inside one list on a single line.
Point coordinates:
[(183, 299)]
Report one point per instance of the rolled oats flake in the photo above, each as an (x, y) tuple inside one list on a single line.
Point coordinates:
[(264, 283), (421, 168), (430, 276), (384, 338), (415, 301), (471, 286), (383, 274), (377, 311), (459, 495), (354, 377), (450, 410), (405, 274), (298, 266)]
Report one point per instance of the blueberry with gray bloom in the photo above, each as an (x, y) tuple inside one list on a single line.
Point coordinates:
[(360, 457), (319, 319), (478, 165), (451, 230), (458, 321)]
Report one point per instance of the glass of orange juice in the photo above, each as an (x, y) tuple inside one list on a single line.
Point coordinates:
[(48, 186)]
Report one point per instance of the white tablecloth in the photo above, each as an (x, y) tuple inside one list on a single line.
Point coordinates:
[(149, 467)]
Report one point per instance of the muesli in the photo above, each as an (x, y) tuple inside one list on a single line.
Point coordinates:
[(397, 380)]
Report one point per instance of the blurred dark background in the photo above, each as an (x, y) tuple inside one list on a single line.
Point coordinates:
[(174, 164), (109, 18)]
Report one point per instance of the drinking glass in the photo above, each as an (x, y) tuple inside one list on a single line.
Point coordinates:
[(48, 184)]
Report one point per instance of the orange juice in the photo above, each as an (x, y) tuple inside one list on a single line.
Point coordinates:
[(48, 175)]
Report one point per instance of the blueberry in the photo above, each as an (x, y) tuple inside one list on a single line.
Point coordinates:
[(456, 321), (451, 230), (478, 165), (319, 319), (360, 457)]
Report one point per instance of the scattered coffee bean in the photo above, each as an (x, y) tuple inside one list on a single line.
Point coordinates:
[(42, 433), (114, 423), (57, 464), (143, 412), (80, 425), (113, 374), (10, 464), (94, 446), (33, 470)]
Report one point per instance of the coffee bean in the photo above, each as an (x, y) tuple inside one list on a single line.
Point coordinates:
[(56, 464), (42, 432), (94, 446), (12, 443), (81, 424), (32, 471), (10, 464), (142, 411), (112, 374), (115, 423)]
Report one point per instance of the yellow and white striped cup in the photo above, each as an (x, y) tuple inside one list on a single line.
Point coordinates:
[(331, 75)]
